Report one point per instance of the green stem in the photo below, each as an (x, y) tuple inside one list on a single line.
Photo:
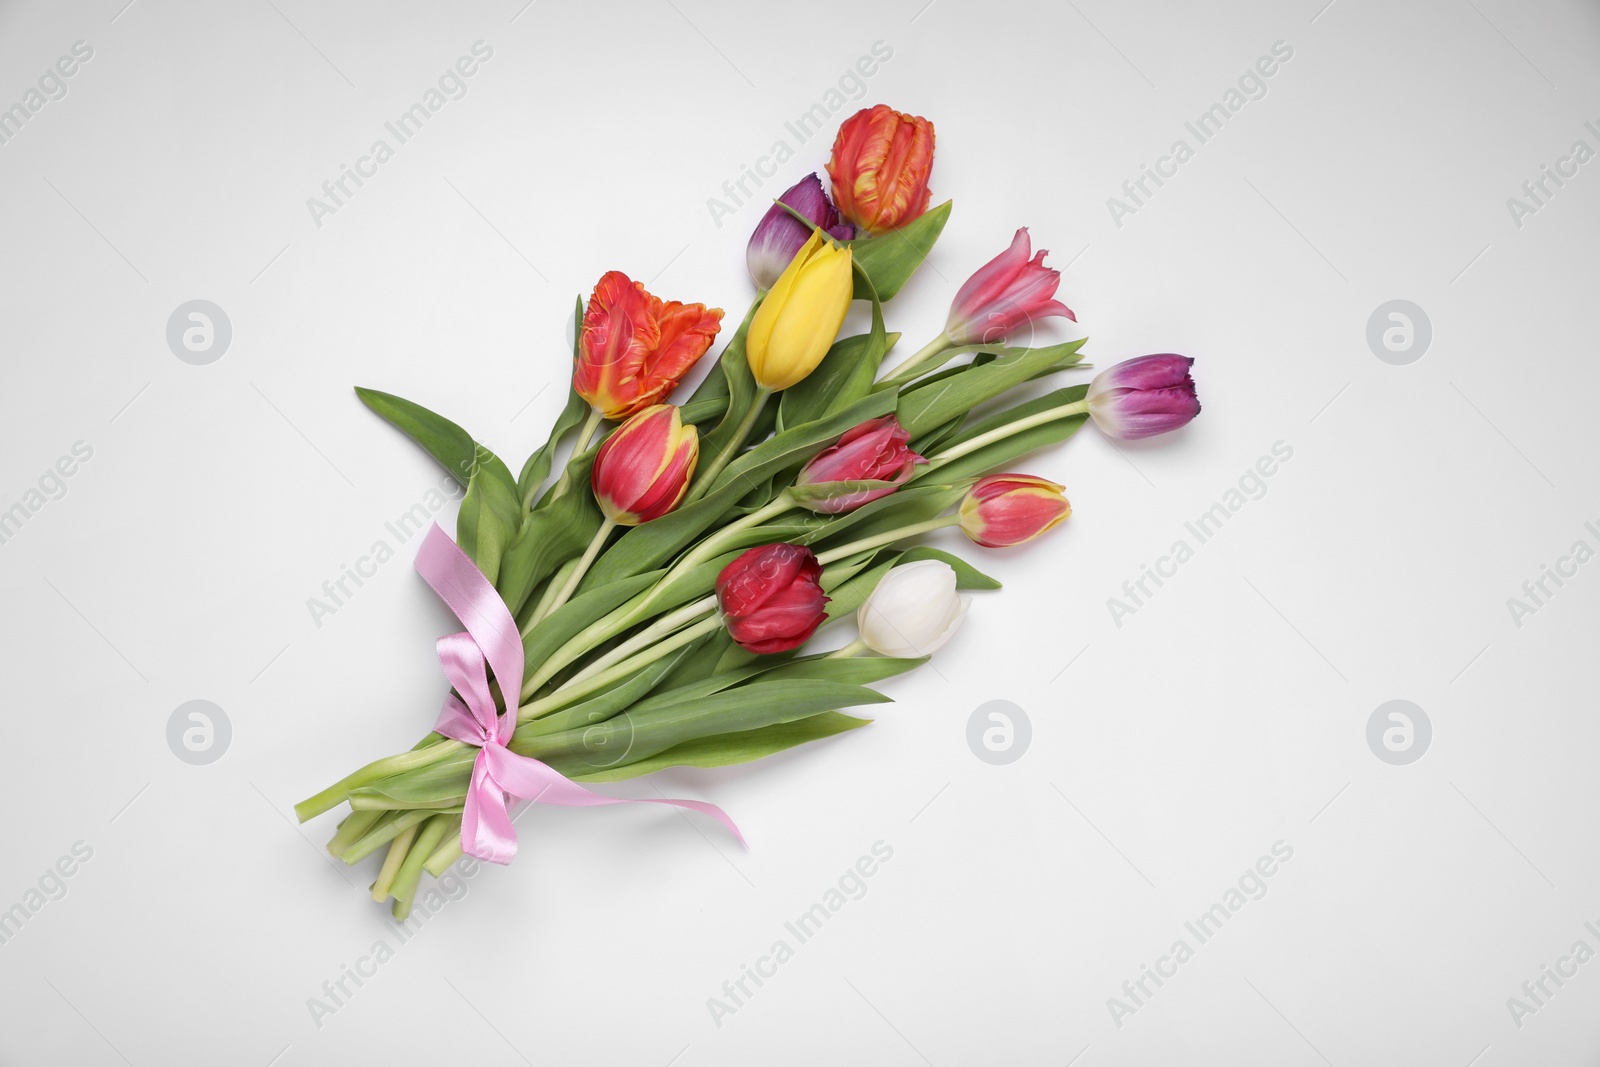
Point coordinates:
[(926, 352), (589, 554), (576, 691), (835, 554), (647, 637), (386, 830), (330, 797), (712, 545), (554, 586), (355, 825), (1077, 407), (708, 474), (391, 863), (590, 425), (446, 854), (853, 649), (609, 626), (405, 883)]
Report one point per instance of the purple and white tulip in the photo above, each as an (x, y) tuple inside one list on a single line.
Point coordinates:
[(1143, 397), (779, 235)]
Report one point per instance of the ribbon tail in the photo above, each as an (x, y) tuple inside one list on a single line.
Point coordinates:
[(486, 830), (531, 779)]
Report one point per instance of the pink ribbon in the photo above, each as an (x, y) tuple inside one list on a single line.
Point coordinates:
[(498, 774)]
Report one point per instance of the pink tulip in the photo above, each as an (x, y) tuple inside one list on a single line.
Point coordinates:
[(870, 461), (1010, 291)]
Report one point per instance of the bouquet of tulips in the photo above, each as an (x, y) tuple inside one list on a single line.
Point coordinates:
[(648, 605)]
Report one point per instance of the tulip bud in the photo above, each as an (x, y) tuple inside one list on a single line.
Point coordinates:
[(880, 165), (633, 348), (1143, 397), (1008, 292), (771, 598), (1008, 509), (868, 462), (643, 469), (779, 235), (913, 611), (801, 315)]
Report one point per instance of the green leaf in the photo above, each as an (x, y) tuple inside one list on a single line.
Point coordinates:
[(634, 736), (700, 663), (739, 386), (906, 507), (725, 750), (487, 521), (537, 469), (934, 439), (967, 576), (701, 410), (805, 495), (446, 442), (559, 529), (891, 258), (848, 598), (610, 702), (922, 410), (855, 670), (999, 454), (563, 624)]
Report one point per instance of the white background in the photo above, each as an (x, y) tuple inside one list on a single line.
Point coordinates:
[(1168, 753)]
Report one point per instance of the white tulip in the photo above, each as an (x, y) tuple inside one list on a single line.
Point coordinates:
[(914, 610)]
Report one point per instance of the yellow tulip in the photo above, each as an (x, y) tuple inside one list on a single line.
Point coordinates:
[(798, 321)]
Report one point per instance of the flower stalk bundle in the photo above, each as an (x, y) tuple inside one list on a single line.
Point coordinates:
[(648, 605)]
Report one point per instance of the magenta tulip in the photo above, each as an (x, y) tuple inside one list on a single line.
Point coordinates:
[(870, 461), (1143, 397)]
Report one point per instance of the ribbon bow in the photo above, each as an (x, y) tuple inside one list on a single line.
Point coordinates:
[(498, 774)]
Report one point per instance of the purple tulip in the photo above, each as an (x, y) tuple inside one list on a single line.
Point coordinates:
[(779, 235), (1143, 397)]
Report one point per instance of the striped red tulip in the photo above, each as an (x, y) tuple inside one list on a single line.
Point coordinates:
[(643, 469), (880, 166), (1008, 509)]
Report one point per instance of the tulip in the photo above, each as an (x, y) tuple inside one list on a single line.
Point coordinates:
[(1008, 292), (801, 315), (771, 597), (643, 469), (634, 348), (780, 235), (870, 461), (1008, 509), (914, 610), (880, 164), (1143, 397)]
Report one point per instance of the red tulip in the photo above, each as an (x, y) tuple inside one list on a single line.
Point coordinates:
[(880, 165), (870, 461), (1008, 509), (1010, 291), (633, 348), (771, 597), (643, 469)]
